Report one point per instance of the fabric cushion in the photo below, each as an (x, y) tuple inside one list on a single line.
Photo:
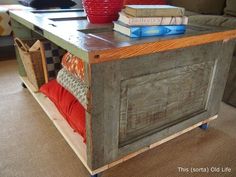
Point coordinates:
[(230, 7), (74, 65), (43, 4), (214, 20), (67, 104), (190, 13), (146, 2), (74, 85), (201, 6)]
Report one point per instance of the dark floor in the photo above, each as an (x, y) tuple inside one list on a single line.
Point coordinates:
[(30, 145), (7, 53)]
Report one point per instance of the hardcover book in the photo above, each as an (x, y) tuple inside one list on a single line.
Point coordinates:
[(144, 21), (154, 10), (145, 31)]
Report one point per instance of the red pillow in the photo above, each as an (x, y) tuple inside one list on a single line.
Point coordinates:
[(145, 2), (67, 104)]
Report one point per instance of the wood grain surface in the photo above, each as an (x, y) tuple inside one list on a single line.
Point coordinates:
[(96, 43), (159, 46), (139, 101), (150, 102)]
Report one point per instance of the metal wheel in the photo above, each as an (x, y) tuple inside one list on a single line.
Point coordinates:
[(204, 126), (23, 85)]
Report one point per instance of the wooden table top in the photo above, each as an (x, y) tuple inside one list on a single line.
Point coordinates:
[(96, 43)]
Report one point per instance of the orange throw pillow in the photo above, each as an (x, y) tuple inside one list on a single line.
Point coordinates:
[(74, 65)]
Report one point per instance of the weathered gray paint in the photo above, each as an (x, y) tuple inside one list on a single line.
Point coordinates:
[(230, 89), (195, 65), (222, 66), (149, 102), (105, 112)]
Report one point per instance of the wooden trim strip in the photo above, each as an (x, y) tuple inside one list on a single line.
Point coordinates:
[(159, 46)]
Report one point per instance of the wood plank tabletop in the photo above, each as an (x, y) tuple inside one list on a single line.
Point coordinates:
[(96, 43)]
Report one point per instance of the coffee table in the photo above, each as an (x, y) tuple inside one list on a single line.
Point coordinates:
[(142, 92)]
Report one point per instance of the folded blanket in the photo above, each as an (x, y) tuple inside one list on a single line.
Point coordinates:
[(74, 85)]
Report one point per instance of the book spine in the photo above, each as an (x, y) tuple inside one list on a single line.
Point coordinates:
[(175, 12), (157, 21), (156, 30)]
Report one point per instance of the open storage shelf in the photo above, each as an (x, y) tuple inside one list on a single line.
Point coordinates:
[(73, 139)]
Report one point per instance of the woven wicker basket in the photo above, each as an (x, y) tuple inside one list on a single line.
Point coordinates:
[(32, 62)]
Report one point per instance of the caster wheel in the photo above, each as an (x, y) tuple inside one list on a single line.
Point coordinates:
[(23, 85), (204, 126), (97, 175)]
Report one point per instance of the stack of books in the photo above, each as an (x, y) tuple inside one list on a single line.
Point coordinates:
[(151, 20)]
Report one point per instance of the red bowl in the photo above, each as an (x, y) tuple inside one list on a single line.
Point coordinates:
[(102, 1), (111, 8), (102, 11), (103, 6)]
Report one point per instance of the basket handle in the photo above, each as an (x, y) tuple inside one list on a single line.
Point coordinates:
[(20, 44)]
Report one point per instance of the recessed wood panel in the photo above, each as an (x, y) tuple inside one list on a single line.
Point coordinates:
[(152, 102)]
